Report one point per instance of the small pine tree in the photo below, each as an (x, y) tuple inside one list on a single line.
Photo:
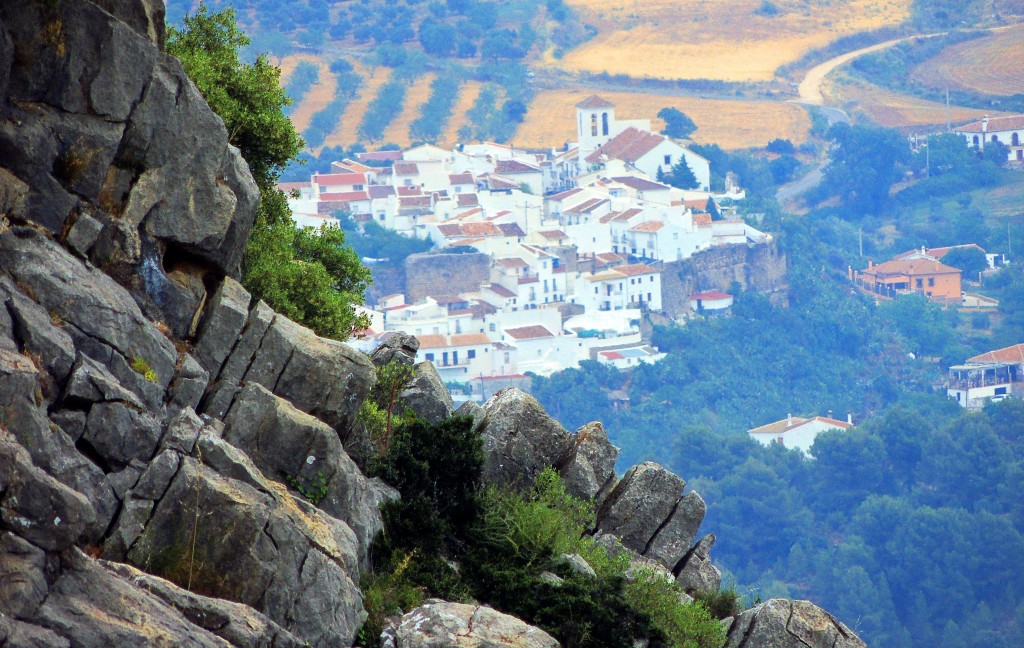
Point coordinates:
[(680, 176)]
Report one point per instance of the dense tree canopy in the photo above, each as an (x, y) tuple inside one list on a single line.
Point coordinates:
[(677, 123), (316, 281)]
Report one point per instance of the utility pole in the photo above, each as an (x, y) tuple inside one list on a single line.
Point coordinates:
[(948, 127), (860, 239)]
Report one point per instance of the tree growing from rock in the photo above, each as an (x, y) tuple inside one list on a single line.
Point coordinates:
[(314, 279)]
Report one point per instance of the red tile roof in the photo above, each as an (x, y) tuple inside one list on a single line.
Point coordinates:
[(331, 179), (344, 195), (288, 187), (379, 156), (554, 235), (513, 167), (1012, 354), (467, 200), (460, 178), (709, 296), (910, 268), (511, 262), (403, 168), (640, 184), (533, 332), (414, 190), (380, 191), (500, 290), (511, 229), (629, 145), (995, 125), (593, 101), (634, 269), (648, 226), (565, 194), (587, 206)]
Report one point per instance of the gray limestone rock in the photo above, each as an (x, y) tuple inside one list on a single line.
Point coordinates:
[(13, 194), (226, 314), (591, 472), (119, 433), (297, 448), (94, 608), (440, 624), (257, 546), (695, 571), (90, 302), (91, 383), (189, 383), (578, 564), (398, 346), (237, 624), (426, 394), (322, 377), (640, 504), (473, 410), (673, 540), (23, 569), (781, 623), (37, 333), (36, 506), (520, 439), (83, 234)]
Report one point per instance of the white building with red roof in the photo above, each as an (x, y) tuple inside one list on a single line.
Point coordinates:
[(619, 288), (796, 432), (1006, 130), (991, 376)]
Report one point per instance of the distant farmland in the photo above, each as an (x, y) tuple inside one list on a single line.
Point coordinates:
[(730, 124), (725, 40), (992, 65)]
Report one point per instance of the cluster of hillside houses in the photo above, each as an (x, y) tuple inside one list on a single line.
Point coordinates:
[(576, 239)]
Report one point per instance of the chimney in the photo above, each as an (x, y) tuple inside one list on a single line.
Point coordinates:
[(789, 420), (984, 124), (830, 414), (870, 263), (849, 418)]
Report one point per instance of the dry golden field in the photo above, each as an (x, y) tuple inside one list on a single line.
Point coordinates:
[(895, 110), (373, 79), (993, 64), (468, 92), (415, 96), (691, 39), (730, 124)]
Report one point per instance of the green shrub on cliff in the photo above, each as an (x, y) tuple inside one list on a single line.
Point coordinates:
[(313, 278)]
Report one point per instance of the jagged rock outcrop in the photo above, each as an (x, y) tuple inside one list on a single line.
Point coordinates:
[(780, 623), (117, 151), (439, 624), (521, 439), (648, 512)]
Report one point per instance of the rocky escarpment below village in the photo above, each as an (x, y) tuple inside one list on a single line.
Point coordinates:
[(152, 417)]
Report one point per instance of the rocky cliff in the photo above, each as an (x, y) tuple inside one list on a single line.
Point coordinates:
[(157, 427)]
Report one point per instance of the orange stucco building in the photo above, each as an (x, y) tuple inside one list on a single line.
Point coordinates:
[(923, 274)]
